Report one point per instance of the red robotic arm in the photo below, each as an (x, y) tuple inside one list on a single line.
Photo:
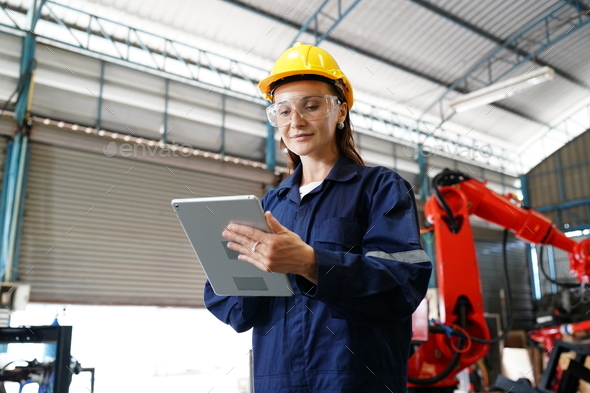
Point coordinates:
[(436, 362)]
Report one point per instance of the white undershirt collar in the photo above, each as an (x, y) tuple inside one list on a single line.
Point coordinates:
[(306, 189)]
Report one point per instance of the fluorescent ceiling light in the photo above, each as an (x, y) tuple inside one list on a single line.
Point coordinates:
[(499, 91)]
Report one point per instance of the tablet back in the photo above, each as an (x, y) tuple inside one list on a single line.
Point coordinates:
[(203, 220)]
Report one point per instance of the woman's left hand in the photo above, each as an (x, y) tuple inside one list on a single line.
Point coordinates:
[(280, 252)]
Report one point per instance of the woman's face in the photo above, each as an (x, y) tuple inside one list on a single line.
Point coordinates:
[(315, 139)]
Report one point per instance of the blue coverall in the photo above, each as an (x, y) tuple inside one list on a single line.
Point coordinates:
[(351, 332)]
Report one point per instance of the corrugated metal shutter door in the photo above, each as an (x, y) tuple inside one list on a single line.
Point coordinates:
[(489, 255), (101, 230)]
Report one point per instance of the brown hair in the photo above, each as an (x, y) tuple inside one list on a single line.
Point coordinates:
[(344, 138)]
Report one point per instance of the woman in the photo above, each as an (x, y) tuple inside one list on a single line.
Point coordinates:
[(347, 236)]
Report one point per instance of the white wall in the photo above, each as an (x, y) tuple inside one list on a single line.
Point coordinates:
[(143, 349)]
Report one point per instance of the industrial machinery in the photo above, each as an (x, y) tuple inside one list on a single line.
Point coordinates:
[(53, 376), (457, 196), (547, 336), (34, 372)]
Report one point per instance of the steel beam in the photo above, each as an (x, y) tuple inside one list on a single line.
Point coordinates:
[(524, 187), (270, 147), (16, 161), (28, 63), (579, 5), (423, 180), (563, 168), (511, 47), (579, 227), (7, 202), (165, 130), (100, 97), (576, 216), (382, 123), (19, 225), (314, 19), (373, 55), (10, 15), (563, 205), (223, 115), (536, 35), (305, 27), (17, 166), (336, 41), (219, 72), (4, 196), (220, 80), (424, 193)]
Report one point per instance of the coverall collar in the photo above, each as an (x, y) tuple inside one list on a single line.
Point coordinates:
[(344, 169)]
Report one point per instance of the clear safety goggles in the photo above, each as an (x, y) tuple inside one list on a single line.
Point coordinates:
[(308, 108)]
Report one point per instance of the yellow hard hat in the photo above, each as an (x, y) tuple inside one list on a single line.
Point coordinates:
[(304, 59)]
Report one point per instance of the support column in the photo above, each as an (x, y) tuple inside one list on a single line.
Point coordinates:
[(270, 147), (13, 195), (428, 237), (100, 89), (165, 120), (223, 115), (524, 187)]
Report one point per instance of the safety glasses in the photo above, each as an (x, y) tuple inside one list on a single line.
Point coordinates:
[(308, 108)]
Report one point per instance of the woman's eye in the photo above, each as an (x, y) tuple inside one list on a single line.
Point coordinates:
[(284, 112), (311, 107)]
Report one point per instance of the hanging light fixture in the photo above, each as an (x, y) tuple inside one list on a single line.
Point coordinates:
[(499, 91)]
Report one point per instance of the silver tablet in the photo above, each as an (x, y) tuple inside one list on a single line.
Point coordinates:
[(203, 220)]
